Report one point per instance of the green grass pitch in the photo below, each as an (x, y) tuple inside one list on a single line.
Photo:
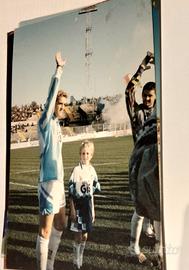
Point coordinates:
[(107, 245)]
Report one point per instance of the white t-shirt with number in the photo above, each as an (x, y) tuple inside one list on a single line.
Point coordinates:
[(83, 181)]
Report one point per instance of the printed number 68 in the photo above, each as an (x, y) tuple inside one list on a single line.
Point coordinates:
[(85, 188)]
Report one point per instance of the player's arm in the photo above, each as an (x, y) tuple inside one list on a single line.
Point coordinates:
[(53, 90), (130, 99)]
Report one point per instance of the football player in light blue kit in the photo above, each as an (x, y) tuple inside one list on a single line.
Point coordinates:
[(82, 185), (52, 219)]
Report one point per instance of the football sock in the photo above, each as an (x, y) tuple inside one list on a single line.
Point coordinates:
[(136, 228), (42, 252), (54, 242), (76, 254), (82, 247)]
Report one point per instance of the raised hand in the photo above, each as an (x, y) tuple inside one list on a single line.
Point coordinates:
[(149, 59), (59, 60)]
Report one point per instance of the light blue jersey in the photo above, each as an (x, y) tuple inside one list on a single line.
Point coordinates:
[(50, 137)]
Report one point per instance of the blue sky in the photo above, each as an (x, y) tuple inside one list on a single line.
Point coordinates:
[(120, 37)]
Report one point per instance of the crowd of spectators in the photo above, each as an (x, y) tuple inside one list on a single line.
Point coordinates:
[(25, 116), (24, 112)]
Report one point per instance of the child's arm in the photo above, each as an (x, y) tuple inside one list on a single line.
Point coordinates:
[(96, 189), (71, 192), (72, 210), (96, 184), (93, 210)]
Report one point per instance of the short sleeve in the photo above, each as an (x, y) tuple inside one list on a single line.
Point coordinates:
[(71, 185), (96, 184)]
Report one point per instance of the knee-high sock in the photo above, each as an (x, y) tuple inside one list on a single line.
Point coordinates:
[(136, 228), (76, 254), (82, 247), (42, 252), (54, 242), (158, 233)]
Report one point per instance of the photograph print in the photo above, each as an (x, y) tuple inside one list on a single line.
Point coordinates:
[(84, 180)]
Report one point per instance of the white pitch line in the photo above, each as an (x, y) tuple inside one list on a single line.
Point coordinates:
[(25, 172), (23, 185), (67, 168)]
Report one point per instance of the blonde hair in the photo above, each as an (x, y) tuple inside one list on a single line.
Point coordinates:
[(87, 143), (61, 93)]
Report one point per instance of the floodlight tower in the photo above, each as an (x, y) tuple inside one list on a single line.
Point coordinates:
[(88, 43)]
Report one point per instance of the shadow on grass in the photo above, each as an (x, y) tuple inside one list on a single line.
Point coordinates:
[(117, 206), (22, 227), (109, 236), (23, 197), (22, 243), (23, 211), (17, 260)]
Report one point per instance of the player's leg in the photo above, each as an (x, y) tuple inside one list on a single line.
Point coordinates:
[(136, 228), (158, 258), (55, 237), (82, 247), (59, 224), (45, 222), (76, 249), (45, 225)]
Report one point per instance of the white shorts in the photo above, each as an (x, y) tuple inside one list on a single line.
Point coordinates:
[(51, 196)]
